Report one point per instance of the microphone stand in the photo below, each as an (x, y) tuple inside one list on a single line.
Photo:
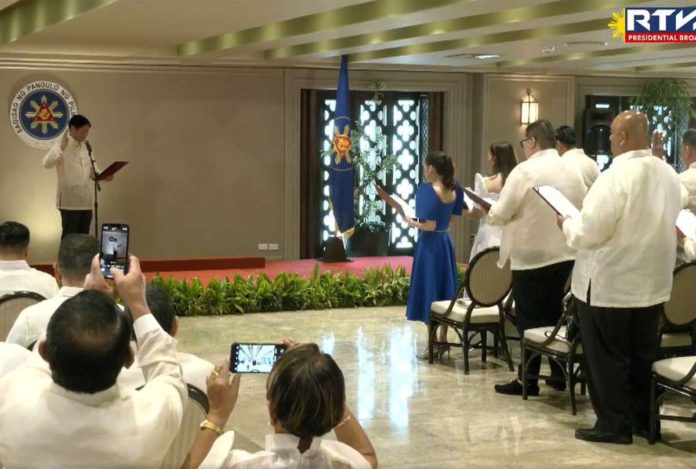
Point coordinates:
[(97, 188)]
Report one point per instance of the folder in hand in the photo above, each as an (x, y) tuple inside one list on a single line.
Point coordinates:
[(686, 223), (558, 202), (111, 170), (397, 203), (483, 202)]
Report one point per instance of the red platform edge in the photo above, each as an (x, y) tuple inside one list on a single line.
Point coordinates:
[(187, 265)]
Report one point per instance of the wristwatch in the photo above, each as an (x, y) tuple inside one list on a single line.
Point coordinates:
[(211, 426)]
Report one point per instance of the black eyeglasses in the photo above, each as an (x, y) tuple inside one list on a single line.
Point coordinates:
[(524, 140)]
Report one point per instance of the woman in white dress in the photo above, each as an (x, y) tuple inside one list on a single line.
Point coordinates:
[(499, 163)]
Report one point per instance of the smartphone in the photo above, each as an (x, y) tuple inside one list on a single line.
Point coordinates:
[(254, 358), (114, 248)]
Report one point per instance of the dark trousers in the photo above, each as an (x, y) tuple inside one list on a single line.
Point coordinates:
[(75, 221), (620, 345), (538, 295)]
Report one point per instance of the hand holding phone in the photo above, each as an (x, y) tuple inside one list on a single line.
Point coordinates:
[(115, 238), (254, 357)]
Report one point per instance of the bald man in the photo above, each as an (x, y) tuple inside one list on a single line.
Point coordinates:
[(625, 237)]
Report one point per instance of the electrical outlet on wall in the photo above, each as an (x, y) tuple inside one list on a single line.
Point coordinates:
[(263, 247), (273, 246)]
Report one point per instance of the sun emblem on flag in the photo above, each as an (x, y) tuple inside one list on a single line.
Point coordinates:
[(618, 25), (342, 145), (44, 114)]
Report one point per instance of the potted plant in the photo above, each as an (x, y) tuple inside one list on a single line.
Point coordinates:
[(666, 102), (372, 164)]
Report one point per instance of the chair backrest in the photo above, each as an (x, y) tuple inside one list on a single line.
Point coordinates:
[(486, 283), (680, 309), (194, 413), (11, 305)]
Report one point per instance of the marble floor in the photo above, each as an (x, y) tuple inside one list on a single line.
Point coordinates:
[(420, 415)]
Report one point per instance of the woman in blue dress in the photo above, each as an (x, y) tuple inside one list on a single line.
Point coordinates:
[(434, 272)]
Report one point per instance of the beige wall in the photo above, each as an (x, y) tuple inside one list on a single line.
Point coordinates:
[(502, 94), (215, 152), (206, 159)]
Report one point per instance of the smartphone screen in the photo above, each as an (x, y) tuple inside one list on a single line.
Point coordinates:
[(254, 358), (114, 248)]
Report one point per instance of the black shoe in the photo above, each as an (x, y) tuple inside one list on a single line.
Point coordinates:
[(555, 383), (514, 388), (597, 436)]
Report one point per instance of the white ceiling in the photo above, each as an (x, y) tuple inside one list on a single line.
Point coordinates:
[(377, 30)]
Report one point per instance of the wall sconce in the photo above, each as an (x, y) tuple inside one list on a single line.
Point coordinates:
[(529, 109)]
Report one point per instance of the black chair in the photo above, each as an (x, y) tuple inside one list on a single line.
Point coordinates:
[(678, 323), (669, 377), (557, 344), (11, 305), (487, 286), (195, 411)]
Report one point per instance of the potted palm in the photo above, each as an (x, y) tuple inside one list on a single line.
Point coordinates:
[(372, 164)]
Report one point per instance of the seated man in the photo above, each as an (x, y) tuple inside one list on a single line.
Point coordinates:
[(195, 370), (74, 260), (15, 273), (75, 415)]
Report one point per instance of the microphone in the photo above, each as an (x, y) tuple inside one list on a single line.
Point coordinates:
[(89, 147)]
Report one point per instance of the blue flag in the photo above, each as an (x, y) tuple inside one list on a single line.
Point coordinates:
[(341, 171)]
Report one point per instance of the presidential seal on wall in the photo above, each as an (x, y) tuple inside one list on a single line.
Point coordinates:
[(40, 111)]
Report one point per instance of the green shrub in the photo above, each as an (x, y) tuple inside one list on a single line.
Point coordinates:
[(289, 291)]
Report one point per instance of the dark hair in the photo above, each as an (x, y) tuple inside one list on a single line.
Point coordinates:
[(13, 236), (306, 391), (87, 342), (542, 131), (444, 166), (689, 138), (78, 121), (566, 135), (75, 255), (504, 159), (162, 307)]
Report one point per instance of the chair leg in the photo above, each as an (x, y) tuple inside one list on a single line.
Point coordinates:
[(465, 348), (504, 346), (496, 346), (484, 338)]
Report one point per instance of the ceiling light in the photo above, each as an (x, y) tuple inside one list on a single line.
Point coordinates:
[(468, 55), (586, 43), (548, 48)]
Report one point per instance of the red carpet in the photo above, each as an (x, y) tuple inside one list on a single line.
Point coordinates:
[(302, 267)]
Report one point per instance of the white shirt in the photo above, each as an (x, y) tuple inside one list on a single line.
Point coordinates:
[(111, 248), (281, 452), (75, 185), (44, 425), (531, 238), (18, 276), (583, 164), (195, 371), (12, 356), (32, 322), (627, 234), (688, 179)]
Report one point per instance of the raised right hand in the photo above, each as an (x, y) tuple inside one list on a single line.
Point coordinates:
[(131, 288), (64, 141)]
